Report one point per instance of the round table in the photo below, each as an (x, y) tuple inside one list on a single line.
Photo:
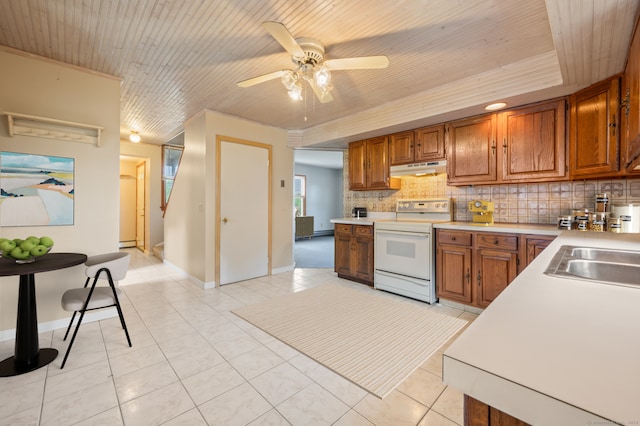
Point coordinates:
[(28, 356)]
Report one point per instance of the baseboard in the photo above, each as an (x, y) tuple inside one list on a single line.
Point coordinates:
[(126, 244), (202, 284), (283, 269), (43, 327)]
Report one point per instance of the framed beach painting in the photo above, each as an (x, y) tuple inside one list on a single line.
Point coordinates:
[(36, 190)]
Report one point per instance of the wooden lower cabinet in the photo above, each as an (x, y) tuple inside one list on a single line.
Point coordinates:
[(354, 252), (473, 268), (453, 265), (477, 413)]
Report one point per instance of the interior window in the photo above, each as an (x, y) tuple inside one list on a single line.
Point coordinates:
[(170, 162), (299, 194)]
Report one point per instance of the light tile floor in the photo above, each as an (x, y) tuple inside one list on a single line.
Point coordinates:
[(193, 362)]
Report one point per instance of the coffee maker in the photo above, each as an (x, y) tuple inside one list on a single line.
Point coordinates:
[(482, 212)]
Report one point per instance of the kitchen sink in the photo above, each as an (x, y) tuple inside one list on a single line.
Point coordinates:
[(609, 266)]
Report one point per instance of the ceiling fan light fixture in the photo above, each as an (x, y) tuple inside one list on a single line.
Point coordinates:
[(289, 79), (295, 92), (322, 77)]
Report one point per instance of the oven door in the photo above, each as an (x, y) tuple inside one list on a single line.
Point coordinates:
[(404, 253)]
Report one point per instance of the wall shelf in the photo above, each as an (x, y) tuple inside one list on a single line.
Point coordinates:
[(51, 128)]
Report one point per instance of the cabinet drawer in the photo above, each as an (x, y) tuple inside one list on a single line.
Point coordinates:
[(362, 230), (454, 238), (342, 228), (503, 242)]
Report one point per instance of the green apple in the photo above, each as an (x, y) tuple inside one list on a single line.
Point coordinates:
[(46, 241), (18, 241), (39, 250), (19, 253), (7, 245), (34, 240), (27, 245)]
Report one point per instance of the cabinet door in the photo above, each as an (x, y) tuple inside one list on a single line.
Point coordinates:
[(495, 270), (401, 148), (342, 255), (453, 273), (362, 258), (631, 110), (377, 163), (593, 135), (429, 144), (357, 165), (534, 244), (471, 152), (533, 142)]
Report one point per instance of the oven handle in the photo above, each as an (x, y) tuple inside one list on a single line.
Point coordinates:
[(412, 234), (418, 281)]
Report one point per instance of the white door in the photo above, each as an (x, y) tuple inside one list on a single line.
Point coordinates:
[(140, 196), (244, 212)]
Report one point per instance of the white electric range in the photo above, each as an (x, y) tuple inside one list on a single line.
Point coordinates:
[(404, 258)]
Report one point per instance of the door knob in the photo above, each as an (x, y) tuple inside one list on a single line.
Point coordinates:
[(224, 220)]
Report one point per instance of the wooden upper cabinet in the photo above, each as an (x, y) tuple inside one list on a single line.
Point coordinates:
[(594, 133), (630, 111), (378, 163), (416, 146), (471, 150), (533, 143), (369, 165), (357, 165), (429, 143), (401, 148)]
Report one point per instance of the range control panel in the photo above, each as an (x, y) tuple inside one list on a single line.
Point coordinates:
[(424, 205)]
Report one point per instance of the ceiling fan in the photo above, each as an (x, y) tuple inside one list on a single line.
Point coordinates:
[(307, 54)]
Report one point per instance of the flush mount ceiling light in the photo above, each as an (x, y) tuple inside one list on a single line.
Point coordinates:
[(307, 54), (134, 137), (495, 106)]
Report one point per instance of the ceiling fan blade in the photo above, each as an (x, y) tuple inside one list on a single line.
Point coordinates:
[(261, 78), (364, 62), (322, 97), (284, 37)]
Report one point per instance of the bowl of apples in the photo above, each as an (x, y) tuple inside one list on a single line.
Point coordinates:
[(25, 251)]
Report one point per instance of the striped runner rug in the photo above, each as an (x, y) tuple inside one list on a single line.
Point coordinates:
[(375, 342)]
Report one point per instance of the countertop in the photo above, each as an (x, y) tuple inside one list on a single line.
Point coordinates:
[(369, 220), (555, 351), (520, 228)]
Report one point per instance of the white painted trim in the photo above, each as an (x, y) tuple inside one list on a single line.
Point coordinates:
[(283, 269), (63, 323), (202, 284)]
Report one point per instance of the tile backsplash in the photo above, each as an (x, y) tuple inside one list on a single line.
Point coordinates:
[(514, 203)]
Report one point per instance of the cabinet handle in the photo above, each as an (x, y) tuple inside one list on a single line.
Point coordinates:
[(613, 124), (468, 276), (493, 147), (479, 278), (495, 242), (453, 238)]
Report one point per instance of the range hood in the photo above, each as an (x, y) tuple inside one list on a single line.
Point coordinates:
[(419, 169)]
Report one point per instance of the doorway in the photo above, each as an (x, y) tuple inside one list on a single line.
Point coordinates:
[(243, 214), (133, 203), (140, 207)]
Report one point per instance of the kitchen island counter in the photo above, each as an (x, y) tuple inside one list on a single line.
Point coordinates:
[(552, 350)]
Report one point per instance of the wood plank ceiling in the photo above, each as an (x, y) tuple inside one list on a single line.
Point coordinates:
[(447, 58)]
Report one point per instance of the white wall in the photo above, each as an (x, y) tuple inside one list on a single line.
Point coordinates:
[(324, 195), (154, 225), (190, 218), (45, 88)]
